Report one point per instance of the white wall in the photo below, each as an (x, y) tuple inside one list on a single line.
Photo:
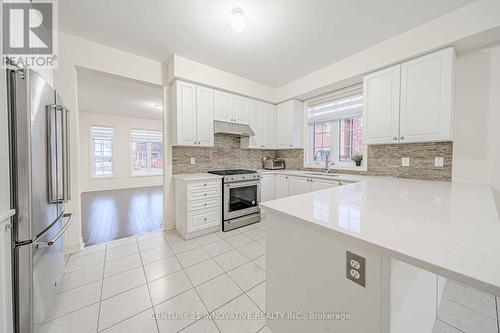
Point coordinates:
[(121, 152), (76, 52), (476, 147)]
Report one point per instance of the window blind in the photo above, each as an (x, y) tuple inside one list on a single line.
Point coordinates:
[(342, 104), (101, 132), (146, 135)]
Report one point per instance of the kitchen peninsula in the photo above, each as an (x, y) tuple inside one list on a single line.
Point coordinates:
[(410, 235)]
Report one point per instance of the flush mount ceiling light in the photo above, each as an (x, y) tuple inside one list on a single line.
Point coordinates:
[(238, 21)]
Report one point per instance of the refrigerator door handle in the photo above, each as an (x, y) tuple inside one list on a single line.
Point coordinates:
[(66, 154), (58, 143), (51, 242)]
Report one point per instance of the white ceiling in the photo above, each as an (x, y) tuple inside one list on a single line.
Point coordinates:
[(101, 93), (283, 39)]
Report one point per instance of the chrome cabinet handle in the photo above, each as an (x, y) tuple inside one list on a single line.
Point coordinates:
[(395, 138), (51, 242), (402, 138)]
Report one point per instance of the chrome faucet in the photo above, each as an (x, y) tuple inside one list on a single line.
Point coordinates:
[(328, 164)]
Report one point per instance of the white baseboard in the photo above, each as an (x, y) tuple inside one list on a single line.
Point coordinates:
[(74, 248)]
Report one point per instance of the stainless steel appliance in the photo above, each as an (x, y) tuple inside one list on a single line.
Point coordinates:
[(40, 185), (274, 164), (240, 197)]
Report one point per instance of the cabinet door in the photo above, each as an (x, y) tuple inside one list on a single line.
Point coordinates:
[(320, 184), (299, 185), (240, 109), (266, 188), (284, 125), (381, 106), (281, 186), (186, 114), (267, 125), (426, 97), (5, 278), (255, 124), (222, 106), (205, 116)]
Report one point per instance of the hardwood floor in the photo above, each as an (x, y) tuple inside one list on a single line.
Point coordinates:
[(108, 215)]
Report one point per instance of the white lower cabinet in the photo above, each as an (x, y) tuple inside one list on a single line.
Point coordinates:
[(298, 185), (281, 186), (319, 184), (285, 185), (198, 206), (266, 188)]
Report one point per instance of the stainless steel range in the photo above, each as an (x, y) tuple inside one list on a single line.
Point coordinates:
[(240, 197)]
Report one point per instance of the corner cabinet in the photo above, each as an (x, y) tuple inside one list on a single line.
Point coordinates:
[(192, 115), (411, 102)]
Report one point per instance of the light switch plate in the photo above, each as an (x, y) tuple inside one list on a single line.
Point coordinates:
[(439, 162), (355, 267), (405, 161), (192, 160)]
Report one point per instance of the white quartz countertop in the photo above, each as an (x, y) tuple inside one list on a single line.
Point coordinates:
[(451, 229), (196, 176)]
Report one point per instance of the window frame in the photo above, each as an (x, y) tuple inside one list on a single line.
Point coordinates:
[(92, 153), (308, 137), (148, 151)]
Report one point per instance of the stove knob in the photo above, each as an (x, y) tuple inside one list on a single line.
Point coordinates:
[(244, 177)]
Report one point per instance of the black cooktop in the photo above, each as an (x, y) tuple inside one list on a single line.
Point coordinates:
[(232, 172)]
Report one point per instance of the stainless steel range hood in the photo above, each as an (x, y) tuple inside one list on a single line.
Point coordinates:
[(239, 130)]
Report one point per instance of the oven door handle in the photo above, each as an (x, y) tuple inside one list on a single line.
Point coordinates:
[(243, 184)]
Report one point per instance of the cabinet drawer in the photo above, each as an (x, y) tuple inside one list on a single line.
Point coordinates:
[(203, 219), (207, 184), (204, 204), (204, 194)]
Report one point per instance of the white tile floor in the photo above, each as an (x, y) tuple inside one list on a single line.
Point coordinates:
[(136, 284)]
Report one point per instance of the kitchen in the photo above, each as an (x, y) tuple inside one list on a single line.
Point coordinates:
[(372, 164)]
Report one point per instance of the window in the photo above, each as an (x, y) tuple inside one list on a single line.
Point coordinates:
[(101, 140), (147, 152), (335, 126)]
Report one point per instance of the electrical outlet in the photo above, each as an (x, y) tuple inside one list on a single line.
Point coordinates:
[(192, 160), (356, 268), (405, 161), (439, 162)]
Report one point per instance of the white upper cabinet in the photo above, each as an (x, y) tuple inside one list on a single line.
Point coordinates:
[(427, 97), (261, 120), (231, 108), (192, 116), (267, 127), (184, 122), (222, 106), (240, 106), (205, 116), (289, 117), (411, 102), (381, 106)]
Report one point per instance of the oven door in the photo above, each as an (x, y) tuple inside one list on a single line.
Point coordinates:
[(241, 199)]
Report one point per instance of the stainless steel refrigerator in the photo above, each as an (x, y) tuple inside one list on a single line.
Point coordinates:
[(40, 185)]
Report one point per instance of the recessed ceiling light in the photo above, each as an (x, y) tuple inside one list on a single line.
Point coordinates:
[(238, 21)]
